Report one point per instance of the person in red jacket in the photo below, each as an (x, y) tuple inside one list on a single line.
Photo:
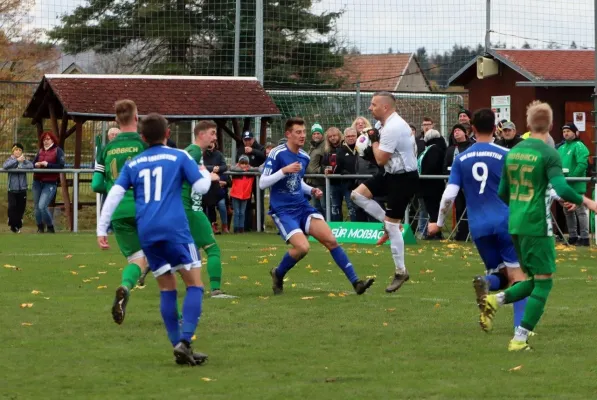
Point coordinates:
[(242, 187), (44, 184)]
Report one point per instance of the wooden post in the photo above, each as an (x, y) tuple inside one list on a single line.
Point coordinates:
[(219, 134), (66, 200), (54, 121), (263, 131), (78, 140), (246, 124), (40, 127)]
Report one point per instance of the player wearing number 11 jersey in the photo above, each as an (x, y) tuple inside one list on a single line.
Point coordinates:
[(156, 176), (477, 171)]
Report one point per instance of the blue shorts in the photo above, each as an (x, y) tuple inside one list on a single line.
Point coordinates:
[(164, 257), (296, 221), (497, 251)]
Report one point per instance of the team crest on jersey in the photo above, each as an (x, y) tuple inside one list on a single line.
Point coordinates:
[(293, 182)]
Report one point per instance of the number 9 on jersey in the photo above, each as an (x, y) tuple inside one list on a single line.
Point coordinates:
[(480, 177)]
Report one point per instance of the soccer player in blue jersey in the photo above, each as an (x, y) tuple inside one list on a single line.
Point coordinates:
[(156, 176), (291, 211), (477, 171)]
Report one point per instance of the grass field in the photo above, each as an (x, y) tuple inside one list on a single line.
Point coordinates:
[(317, 341)]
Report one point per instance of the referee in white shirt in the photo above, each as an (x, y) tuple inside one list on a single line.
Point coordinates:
[(395, 149)]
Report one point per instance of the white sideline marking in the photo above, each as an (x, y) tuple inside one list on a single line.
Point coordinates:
[(46, 254)]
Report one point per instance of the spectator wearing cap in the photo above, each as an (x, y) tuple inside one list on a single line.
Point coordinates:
[(575, 159), (17, 187), (510, 137), (316, 153), (256, 154), (458, 142), (464, 116)]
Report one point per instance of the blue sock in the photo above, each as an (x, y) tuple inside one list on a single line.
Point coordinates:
[(343, 262), (191, 311), (519, 311), (169, 310), (285, 265), (494, 282)]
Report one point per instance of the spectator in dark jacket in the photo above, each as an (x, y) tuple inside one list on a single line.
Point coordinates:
[(431, 162), (418, 139), (316, 153), (17, 187), (347, 159), (510, 137), (333, 141), (256, 154), (44, 185), (459, 142), (214, 162)]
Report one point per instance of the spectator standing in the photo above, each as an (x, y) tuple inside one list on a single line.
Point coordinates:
[(333, 141), (459, 142), (431, 162), (427, 125), (361, 124), (347, 160), (510, 137), (44, 185), (256, 154), (17, 187), (214, 161), (242, 186), (575, 159), (316, 154)]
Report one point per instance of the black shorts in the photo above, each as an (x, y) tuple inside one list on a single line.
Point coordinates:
[(398, 189)]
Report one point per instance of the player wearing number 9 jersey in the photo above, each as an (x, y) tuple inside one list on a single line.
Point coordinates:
[(477, 171), (156, 176)]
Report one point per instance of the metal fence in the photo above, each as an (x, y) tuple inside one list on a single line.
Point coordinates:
[(75, 193)]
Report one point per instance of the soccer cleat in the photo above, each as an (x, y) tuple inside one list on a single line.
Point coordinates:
[(519, 345), (384, 238), (488, 311), (398, 281), (361, 286), (199, 358), (143, 276), (277, 283), (216, 292), (481, 289), (119, 306), (183, 354)]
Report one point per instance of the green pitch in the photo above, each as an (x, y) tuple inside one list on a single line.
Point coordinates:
[(317, 341)]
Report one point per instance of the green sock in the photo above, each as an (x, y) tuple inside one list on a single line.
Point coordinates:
[(536, 303), (214, 266), (130, 275), (519, 291)]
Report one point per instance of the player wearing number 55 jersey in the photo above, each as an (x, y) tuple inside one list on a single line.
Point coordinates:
[(156, 176), (477, 172)]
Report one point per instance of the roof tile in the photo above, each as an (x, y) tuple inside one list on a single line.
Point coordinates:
[(374, 71), (554, 65)]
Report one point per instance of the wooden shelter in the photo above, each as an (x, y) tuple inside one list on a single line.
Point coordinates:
[(76, 98)]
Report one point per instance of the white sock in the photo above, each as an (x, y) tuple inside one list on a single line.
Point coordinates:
[(396, 245), (521, 334), (369, 205), (501, 298)]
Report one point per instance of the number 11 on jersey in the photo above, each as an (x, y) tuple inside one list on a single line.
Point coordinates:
[(146, 175), (482, 177)]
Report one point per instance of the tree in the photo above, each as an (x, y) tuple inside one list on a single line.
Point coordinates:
[(553, 46), (390, 51), (526, 45), (423, 58), (196, 37), (573, 45)]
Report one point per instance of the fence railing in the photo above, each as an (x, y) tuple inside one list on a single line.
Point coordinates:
[(258, 196)]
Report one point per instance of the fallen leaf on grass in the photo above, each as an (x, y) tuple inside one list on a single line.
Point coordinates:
[(307, 298), (342, 294), (227, 283), (517, 368), (95, 278), (329, 380), (74, 272), (426, 271), (101, 272), (243, 277), (332, 295), (47, 298), (111, 263), (206, 379), (233, 257), (314, 271), (26, 324), (286, 279), (371, 276), (264, 297), (437, 305), (68, 256), (390, 309), (308, 266), (385, 324), (258, 283), (293, 285), (35, 292), (86, 280), (583, 270), (194, 338), (102, 287), (82, 266), (26, 305), (234, 302), (264, 261)]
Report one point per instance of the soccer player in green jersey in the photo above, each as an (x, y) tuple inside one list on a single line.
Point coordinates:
[(108, 164), (530, 170), (203, 236)]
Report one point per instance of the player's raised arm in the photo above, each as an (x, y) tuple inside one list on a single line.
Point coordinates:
[(272, 173), (198, 177)]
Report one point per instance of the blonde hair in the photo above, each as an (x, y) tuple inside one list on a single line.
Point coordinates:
[(367, 123), (114, 131), (126, 110), (539, 117), (333, 129)]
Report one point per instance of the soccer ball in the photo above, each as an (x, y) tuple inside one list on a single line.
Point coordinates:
[(362, 143)]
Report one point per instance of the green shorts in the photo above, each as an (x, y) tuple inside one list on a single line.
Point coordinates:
[(200, 227), (537, 254), (125, 231)]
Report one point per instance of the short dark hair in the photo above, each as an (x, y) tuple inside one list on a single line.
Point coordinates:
[(290, 122), (384, 93), (204, 126), (427, 119), (484, 120), (153, 128)]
